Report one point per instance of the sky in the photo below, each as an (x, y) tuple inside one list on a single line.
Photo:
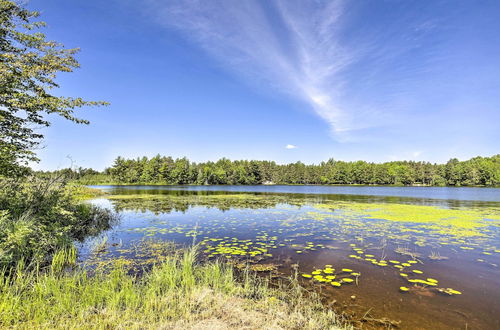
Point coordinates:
[(280, 80)]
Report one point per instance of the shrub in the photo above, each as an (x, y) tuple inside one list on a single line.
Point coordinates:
[(41, 215)]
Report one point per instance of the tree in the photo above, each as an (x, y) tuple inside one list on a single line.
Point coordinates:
[(454, 171), (476, 171), (180, 172), (29, 64)]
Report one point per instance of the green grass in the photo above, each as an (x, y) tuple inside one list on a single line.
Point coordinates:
[(80, 192), (178, 293)]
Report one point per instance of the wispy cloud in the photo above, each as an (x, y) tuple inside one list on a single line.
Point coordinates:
[(290, 146), (291, 45), (358, 71)]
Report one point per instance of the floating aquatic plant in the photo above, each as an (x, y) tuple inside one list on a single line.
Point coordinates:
[(408, 230), (449, 291)]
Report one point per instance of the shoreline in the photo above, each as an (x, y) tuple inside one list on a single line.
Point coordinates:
[(284, 184)]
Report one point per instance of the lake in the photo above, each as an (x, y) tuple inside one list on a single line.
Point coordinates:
[(413, 257)]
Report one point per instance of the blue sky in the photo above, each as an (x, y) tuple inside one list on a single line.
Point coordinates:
[(279, 80)]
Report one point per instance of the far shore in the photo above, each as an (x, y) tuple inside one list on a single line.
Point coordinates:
[(283, 184)]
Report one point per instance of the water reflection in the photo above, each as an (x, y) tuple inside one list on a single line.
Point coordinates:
[(449, 193), (290, 198)]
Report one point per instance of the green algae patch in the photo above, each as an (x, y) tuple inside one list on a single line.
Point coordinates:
[(464, 222)]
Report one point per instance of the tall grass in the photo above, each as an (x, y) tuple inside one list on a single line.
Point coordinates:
[(177, 293)]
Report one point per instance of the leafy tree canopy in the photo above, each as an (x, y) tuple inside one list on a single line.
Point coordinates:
[(477, 171), (29, 64)]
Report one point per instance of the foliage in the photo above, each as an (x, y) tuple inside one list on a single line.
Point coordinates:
[(483, 171), (177, 293), (29, 64), (41, 215)]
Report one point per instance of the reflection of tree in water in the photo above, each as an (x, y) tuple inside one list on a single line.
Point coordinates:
[(170, 203), (97, 221), (158, 201)]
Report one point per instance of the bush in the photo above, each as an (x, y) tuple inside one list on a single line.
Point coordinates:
[(41, 215)]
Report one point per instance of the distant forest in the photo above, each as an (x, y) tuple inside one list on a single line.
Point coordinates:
[(478, 171)]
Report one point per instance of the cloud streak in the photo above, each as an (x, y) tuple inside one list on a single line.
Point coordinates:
[(292, 46), (360, 71)]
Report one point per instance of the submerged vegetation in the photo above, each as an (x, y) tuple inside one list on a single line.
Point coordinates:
[(482, 171), (178, 292), (457, 221), (357, 254)]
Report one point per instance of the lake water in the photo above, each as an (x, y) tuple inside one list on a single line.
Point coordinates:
[(448, 193), (417, 257)]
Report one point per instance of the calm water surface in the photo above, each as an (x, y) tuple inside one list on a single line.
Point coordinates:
[(441, 244), (451, 193)]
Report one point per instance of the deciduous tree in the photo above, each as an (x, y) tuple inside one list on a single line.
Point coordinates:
[(29, 65)]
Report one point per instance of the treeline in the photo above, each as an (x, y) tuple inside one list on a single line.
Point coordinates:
[(478, 171)]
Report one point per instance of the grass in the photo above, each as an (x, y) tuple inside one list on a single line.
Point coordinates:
[(177, 293), (80, 192)]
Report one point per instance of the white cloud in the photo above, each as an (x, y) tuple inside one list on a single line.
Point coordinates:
[(290, 146)]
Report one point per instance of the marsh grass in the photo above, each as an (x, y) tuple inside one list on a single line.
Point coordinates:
[(177, 293), (80, 192)]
